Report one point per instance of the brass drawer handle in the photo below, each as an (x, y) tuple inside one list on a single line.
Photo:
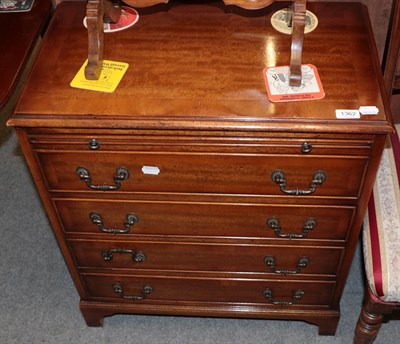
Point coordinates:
[(274, 224), (147, 289), (296, 297), (121, 174), (302, 263), (278, 177), (131, 219), (137, 256)]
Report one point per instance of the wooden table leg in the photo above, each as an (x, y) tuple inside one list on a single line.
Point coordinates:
[(94, 17), (298, 24), (96, 11), (112, 12)]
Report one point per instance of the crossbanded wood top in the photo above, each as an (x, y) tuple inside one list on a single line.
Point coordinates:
[(195, 66)]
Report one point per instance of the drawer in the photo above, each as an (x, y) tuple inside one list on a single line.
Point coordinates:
[(180, 289), (255, 174), (204, 219), (50, 139), (177, 256)]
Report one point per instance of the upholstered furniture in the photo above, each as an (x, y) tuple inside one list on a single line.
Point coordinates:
[(381, 233), (186, 191), (381, 245)]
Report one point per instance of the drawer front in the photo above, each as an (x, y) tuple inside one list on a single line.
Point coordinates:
[(180, 289), (200, 142), (172, 256), (204, 219), (258, 174)]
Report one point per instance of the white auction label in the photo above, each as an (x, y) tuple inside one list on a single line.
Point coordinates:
[(347, 114), (369, 110), (154, 170)]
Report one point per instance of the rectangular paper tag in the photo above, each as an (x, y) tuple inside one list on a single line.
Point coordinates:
[(347, 114), (369, 110), (111, 74), (278, 89), (153, 170)]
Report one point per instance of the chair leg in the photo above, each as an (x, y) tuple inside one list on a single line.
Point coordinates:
[(371, 317), (368, 324)]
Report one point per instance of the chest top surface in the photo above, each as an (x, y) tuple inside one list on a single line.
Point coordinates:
[(196, 66)]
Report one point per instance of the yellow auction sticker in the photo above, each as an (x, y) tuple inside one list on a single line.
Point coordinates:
[(111, 74)]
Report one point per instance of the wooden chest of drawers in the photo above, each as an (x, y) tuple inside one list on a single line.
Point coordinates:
[(186, 191)]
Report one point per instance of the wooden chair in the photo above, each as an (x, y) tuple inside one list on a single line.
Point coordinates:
[(381, 232), (19, 33), (98, 9)]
